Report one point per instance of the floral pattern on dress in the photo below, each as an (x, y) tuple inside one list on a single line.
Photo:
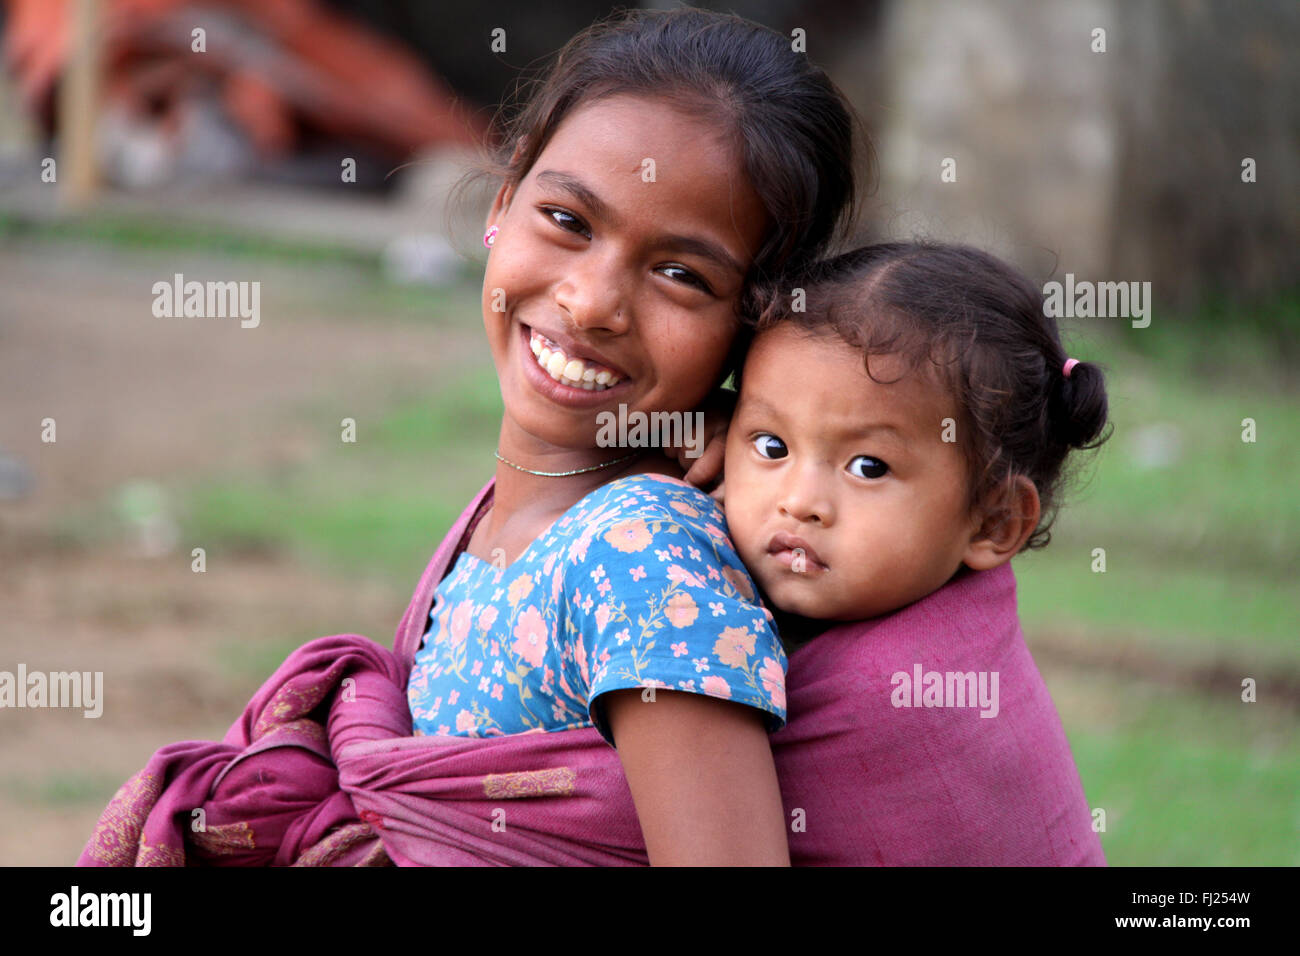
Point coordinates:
[(636, 586)]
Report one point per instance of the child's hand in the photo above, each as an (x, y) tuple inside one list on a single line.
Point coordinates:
[(705, 472), (716, 493)]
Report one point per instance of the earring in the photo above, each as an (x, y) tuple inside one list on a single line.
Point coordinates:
[(490, 237)]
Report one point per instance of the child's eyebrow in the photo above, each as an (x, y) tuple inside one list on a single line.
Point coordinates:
[(696, 245), (872, 428), (856, 430), (757, 402)]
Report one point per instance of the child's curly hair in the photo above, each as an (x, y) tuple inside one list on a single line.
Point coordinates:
[(980, 324)]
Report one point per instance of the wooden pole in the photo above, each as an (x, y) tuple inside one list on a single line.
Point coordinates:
[(78, 105)]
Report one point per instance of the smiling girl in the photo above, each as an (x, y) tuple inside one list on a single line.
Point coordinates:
[(667, 162)]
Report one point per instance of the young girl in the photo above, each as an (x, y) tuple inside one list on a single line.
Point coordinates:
[(892, 449), (667, 162)]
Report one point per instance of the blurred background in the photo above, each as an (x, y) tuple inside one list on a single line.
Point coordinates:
[(311, 145)]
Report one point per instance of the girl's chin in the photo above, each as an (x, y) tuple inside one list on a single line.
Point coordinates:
[(569, 423), (548, 423)]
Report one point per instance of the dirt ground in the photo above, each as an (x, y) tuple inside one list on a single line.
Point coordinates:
[(166, 400)]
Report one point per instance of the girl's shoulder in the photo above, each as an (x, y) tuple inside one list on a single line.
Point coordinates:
[(641, 516), (651, 496)]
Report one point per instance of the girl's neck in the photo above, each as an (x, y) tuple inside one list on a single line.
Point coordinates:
[(519, 496)]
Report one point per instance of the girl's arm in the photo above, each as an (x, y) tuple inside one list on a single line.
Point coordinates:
[(702, 778)]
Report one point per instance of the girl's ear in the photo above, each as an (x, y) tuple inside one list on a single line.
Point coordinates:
[(507, 192), (1009, 519), (499, 205)]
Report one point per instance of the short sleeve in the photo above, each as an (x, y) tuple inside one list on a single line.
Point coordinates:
[(656, 596)]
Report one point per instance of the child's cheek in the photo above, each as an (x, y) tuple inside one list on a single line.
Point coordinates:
[(739, 503), (733, 494)]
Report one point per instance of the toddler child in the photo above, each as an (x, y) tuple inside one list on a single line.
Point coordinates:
[(900, 440)]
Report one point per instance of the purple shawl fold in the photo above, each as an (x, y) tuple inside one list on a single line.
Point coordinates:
[(321, 768)]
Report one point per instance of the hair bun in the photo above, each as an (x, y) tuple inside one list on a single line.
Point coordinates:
[(1082, 412)]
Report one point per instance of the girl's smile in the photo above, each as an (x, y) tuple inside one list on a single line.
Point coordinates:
[(559, 370), (570, 366), (619, 260)]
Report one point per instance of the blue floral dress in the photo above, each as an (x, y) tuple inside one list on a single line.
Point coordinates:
[(636, 586)]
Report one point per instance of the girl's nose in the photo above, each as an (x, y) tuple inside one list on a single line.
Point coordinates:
[(592, 295), (803, 495)]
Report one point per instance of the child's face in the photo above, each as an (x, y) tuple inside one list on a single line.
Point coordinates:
[(626, 245), (855, 473)]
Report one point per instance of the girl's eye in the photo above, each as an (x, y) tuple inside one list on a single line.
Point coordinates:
[(571, 223), (769, 446), (566, 221), (689, 278), (864, 466)]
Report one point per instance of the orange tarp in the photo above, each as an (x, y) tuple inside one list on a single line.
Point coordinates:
[(280, 67)]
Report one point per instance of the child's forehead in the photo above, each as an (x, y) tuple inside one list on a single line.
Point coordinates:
[(823, 377), (778, 349)]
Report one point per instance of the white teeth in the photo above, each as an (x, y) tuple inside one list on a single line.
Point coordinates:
[(572, 372)]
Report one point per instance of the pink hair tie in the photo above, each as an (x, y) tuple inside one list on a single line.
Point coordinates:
[(1069, 364)]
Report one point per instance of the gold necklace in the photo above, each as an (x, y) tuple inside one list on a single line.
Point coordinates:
[(565, 474)]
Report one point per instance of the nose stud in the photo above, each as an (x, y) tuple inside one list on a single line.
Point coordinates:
[(490, 237)]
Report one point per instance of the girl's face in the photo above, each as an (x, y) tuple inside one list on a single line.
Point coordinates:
[(620, 258), (842, 496)]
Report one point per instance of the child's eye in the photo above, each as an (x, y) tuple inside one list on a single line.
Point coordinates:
[(566, 220), (769, 446), (864, 466)]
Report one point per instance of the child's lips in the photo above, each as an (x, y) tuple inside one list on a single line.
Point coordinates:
[(788, 549)]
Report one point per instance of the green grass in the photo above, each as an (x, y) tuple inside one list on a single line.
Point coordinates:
[(62, 789), (1222, 341), (1201, 548), (376, 507), (1181, 609), (149, 233), (360, 289), (1175, 802), (252, 662), (1184, 779)]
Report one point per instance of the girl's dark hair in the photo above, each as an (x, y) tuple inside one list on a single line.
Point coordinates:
[(793, 129), (980, 326)]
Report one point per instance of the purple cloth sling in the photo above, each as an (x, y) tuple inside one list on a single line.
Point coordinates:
[(320, 769)]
